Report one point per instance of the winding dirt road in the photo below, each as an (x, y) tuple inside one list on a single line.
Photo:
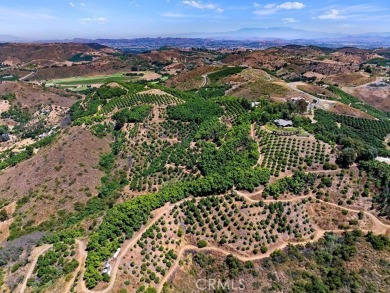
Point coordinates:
[(125, 247), (319, 234), (81, 257), (38, 251), (378, 228)]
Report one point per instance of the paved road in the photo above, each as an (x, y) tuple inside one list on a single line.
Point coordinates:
[(26, 76)]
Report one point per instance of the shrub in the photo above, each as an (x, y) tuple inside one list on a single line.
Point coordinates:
[(202, 243)]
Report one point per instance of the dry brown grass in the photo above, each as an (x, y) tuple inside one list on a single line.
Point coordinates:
[(57, 176), (332, 218), (342, 109), (191, 79), (31, 96), (317, 91), (376, 97), (350, 79), (261, 88)]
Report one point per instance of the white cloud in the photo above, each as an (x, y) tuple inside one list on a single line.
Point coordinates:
[(291, 5), (92, 20), (71, 4), (204, 6), (290, 20), (332, 14), (273, 8), (199, 5)]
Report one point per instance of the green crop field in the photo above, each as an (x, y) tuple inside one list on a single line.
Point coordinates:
[(88, 80)]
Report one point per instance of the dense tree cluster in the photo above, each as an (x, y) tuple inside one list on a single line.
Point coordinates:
[(225, 72), (133, 115), (106, 92), (380, 173), (197, 110), (8, 97), (55, 264), (136, 99), (234, 107), (17, 114), (295, 184), (362, 138)]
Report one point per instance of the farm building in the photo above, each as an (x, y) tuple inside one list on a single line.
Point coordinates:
[(283, 123)]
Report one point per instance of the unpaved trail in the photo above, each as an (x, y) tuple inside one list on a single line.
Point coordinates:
[(319, 234), (377, 79), (320, 102), (378, 228), (38, 251), (205, 80), (26, 76), (124, 250), (81, 257)]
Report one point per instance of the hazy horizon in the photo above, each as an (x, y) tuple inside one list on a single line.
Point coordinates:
[(45, 19)]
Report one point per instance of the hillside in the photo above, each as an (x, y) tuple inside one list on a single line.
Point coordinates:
[(59, 175), (45, 54), (294, 268), (258, 169)]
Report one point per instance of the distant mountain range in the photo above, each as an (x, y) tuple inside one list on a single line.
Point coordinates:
[(8, 38), (265, 33), (245, 37)]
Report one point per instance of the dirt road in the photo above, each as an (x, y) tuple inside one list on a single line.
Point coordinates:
[(34, 255), (124, 250), (81, 257), (378, 228), (319, 234)]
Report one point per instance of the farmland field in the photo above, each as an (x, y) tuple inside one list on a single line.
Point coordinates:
[(97, 79)]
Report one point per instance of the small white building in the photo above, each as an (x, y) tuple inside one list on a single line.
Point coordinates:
[(283, 123), (107, 269), (116, 253)]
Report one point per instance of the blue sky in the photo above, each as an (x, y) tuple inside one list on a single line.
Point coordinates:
[(42, 19)]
